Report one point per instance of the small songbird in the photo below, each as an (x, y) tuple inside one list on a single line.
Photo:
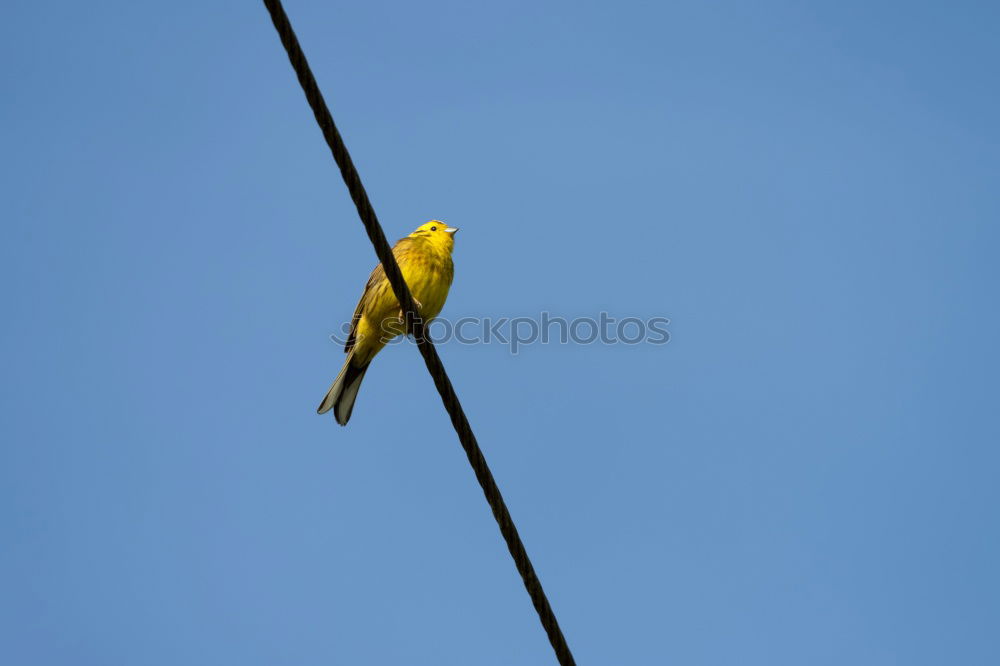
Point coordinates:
[(424, 258)]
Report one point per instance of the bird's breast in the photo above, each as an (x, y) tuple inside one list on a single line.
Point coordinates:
[(429, 278)]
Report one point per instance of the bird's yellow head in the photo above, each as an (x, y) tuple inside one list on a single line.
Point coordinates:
[(437, 233)]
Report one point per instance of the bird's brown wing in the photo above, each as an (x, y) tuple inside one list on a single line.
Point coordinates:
[(377, 277)]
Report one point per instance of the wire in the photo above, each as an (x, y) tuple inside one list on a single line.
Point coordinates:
[(416, 327)]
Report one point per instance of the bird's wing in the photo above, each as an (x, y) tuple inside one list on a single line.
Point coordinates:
[(376, 278), (378, 275)]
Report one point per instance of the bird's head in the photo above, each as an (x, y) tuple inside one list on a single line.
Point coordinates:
[(437, 233)]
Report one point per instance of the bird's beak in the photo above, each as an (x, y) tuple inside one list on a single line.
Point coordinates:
[(450, 230)]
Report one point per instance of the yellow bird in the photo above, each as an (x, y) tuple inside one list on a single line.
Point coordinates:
[(424, 258)]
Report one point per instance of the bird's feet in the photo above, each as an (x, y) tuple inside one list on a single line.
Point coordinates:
[(402, 315)]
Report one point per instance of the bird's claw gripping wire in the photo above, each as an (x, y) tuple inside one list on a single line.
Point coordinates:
[(402, 315)]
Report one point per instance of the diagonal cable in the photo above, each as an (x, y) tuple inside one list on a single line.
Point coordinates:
[(416, 327)]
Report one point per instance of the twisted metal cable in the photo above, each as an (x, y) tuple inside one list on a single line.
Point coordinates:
[(416, 327)]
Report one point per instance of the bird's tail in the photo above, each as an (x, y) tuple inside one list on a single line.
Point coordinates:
[(344, 391)]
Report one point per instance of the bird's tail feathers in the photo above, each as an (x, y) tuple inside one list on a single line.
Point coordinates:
[(344, 391)]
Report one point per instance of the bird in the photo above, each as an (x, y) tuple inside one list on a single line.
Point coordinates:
[(424, 257)]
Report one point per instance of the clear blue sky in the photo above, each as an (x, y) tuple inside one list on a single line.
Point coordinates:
[(806, 474)]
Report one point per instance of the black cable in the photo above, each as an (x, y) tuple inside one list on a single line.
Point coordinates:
[(416, 327)]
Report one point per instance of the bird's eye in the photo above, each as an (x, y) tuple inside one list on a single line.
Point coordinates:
[(434, 228)]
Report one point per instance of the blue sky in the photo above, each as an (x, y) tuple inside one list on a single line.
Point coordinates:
[(805, 474)]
